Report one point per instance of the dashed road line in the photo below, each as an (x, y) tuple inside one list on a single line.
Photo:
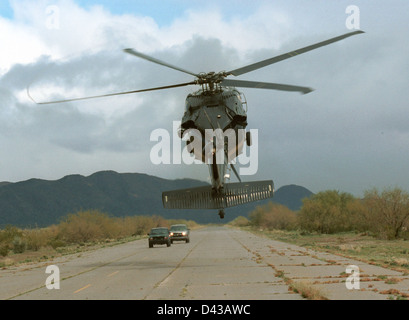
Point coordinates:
[(83, 288)]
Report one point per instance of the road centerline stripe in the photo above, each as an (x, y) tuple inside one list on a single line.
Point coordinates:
[(83, 288), (112, 274)]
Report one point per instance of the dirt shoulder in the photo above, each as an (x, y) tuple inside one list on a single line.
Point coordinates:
[(391, 254)]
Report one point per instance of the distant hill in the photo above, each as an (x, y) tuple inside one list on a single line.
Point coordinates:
[(291, 196), (37, 202)]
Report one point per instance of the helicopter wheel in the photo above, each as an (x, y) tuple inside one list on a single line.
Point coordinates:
[(221, 214)]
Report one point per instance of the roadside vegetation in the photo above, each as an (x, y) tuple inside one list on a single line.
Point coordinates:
[(77, 232), (374, 229)]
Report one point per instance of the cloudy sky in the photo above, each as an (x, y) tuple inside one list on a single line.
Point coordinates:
[(351, 134)]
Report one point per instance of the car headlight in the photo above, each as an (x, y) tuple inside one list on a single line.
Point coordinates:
[(171, 233), (183, 233)]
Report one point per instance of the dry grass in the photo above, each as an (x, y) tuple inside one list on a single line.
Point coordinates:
[(307, 290)]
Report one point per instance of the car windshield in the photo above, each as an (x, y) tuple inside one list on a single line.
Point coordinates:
[(159, 231), (178, 228)]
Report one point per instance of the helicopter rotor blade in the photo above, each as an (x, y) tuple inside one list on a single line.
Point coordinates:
[(291, 54), (266, 85), (112, 94), (157, 61)]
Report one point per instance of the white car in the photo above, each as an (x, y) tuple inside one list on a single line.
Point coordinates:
[(179, 232)]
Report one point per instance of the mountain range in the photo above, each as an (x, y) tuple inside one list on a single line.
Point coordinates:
[(37, 202)]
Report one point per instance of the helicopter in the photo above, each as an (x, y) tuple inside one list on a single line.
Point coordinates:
[(214, 116)]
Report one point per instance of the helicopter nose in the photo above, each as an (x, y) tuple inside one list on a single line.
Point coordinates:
[(214, 118)]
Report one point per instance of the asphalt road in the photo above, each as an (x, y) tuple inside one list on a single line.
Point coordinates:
[(219, 263)]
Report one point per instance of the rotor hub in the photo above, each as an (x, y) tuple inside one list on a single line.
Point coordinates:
[(211, 81)]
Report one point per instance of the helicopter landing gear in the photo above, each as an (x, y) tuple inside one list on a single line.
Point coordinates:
[(221, 214)]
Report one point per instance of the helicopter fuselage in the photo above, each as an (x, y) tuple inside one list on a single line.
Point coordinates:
[(217, 120)]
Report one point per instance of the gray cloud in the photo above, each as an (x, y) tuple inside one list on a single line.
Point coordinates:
[(350, 134)]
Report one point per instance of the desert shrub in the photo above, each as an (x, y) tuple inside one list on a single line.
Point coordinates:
[(93, 225), (19, 245), (4, 249), (84, 226), (56, 243), (190, 223), (273, 216), (9, 233), (387, 213), (240, 222), (140, 225), (9, 237), (329, 212), (37, 238)]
